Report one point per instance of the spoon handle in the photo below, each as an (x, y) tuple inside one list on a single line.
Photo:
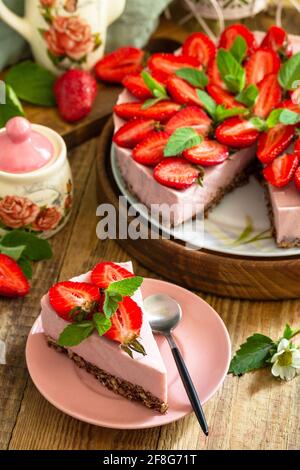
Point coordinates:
[(188, 384)]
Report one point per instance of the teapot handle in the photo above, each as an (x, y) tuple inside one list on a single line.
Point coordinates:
[(115, 9), (14, 21)]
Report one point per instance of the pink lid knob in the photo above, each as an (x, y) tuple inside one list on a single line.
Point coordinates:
[(18, 129)]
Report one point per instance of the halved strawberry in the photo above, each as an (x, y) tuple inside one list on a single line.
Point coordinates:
[(281, 171), (209, 152), (297, 147), (223, 97), (237, 132), (199, 45), (274, 141), (269, 96), (278, 40), (67, 296), (176, 173), (162, 111), (182, 92), (114, 67), (151, 150), (13, 283), (231, 32), (191, 116), (137, 87), (133, 132), (214, 75), (126, 326), (297, 177), (163, 65), (106, 272), (261, 62)]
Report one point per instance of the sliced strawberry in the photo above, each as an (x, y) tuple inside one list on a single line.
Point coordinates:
[(176, 173), (105, 273), (114, 67), (223, 97), (182, 92), (231, 32), (209, 152), (297, 177), (133, 132), (297, 147), (191, 116), (151, 150), (67, 296), (289, 104), (214, 75), (137, 87), (163, 65), (162, 111), (274, 141), (237, 132), (269, 96), (281, 171), (262, 62), (13, 283), (278, 40), (199, 45)]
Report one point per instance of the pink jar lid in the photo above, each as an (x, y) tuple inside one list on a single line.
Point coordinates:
[(22, 149)]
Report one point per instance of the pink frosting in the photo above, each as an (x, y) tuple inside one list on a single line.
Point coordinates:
[(147, 371)]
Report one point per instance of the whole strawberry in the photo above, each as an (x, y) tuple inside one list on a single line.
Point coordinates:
[(75, 93)]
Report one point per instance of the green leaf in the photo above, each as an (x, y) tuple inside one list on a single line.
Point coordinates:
[(125, 287), (154, 86), (239, 49), (273, 117), (208, 102), (223, 113), (14, 252), (11, 108), (102, 323), (259, 123), (290, 72), (194, 77), (253, 354), (32, 83), (288, 332), (110, 305), (231, 71), (36, 248), (182, 139), (151, 102), (75, 333), (248, 230), (248, 96), (26, 267), (289, 117)]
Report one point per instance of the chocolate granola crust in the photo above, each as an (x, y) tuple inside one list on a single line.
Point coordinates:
[(113, 383)]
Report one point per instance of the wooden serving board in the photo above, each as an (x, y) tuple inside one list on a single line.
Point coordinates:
[(204, 270)]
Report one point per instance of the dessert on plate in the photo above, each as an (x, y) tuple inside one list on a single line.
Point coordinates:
[(97, 319), (192, 125)]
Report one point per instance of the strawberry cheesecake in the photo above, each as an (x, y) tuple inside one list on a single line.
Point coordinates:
[(191, 126), (97, 319)]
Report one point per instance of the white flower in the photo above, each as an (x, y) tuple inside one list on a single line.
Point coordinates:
[(286, 361)]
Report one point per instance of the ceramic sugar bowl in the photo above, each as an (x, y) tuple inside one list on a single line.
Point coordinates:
[(36, 189)]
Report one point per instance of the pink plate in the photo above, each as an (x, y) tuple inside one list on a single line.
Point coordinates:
[(205, 346)]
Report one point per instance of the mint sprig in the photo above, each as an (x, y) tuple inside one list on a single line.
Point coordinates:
[(289, 72), (182, 139), (239, 49), (194, 77), (231, 71), (218, 111), (117, 290), (277, 116), (248, 96), (158, 91)]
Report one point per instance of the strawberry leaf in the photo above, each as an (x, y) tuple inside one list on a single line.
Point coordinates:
[(75, 333), (125, 287), (231, 71), (288, 332), (26, 267), (253, 354), (208, 102), (194, 77), (239, 49), (14, 252), (11, 108), (36, 248), (102, 323), (290, 72), (248, 96), (182, 139)]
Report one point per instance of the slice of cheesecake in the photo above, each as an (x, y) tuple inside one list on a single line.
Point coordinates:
[(142, 378)]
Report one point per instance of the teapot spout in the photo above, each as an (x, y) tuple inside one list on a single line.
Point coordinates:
[(115, 9)]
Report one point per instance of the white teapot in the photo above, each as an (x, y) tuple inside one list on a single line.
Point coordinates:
[(65, 33)]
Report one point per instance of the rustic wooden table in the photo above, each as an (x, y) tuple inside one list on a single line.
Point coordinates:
[(252, 412)]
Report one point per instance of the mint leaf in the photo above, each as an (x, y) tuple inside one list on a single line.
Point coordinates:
[(223, 113), (239, 49), (75, 333), (182, 139), (253, 354), (125, 287), (289, 72), (194, 77), (273, 117), (11, 108), (151, 102), (248, 96), (26, 267), (14, 252), (288, 332), (289, 117), (154, 86), (110, 305), (102, 323), (208, 102), (231, 71), (32, 83), (259, 123), (36, 248)]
